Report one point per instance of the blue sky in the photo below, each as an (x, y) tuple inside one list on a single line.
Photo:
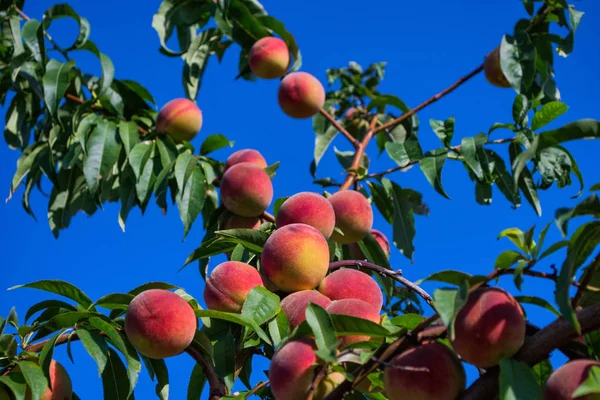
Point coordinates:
[(428, 45)]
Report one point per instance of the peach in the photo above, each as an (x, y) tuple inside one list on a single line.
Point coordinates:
[(246, 155), (59, 381), (294, 305), (181, 119), (269, 58), (328, 384), (355, 121), (229, 284), (489, 327), (357, 254), (564, 381), (160, 324), (301, 95), (292, 370), (347, 283), (354, 308), (353, 216), (295, 257), (310, 209), (246, 190), (493, 70), (233, 221), (430, 371)]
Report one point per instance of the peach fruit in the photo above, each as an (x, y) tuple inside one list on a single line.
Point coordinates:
[(357, 254), (160, 324), (181, 119), (564, 381), (347, 283), (493, 70), (59, 381), (301, 95), (292, 370), (328, 384), (269, 58), (229, 284), (294, 305), (354, 308), (245, 155), (233, 221), (489, 327), (295, 257), (246, 190), (353, 216), (310, 209), (431, 372)]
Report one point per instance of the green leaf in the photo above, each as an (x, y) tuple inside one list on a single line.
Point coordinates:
[(224, 349), (33, 37), (345, 159), (252, 239), (45, 305), (518, 381), (102, 154), (196, 59), (197, 383), (452, 277), (16, 383), (520, 110), (322, 327), (403, 222), (64, 10), (517, 60), (555, 247), (538, 302), (56, 82), (235, 318), (214, 143), (448, 303), (548, 113), (271, 169), (210, 248), (346, 325), (508, 258), (191, 200), (114, 383), (34, 376), (591, 384), (542, 371), (129, 135), (325, 133), (432, 168), (443, 129), (408, 321), (184, 166), (47, 353), (516, 236), (60, 288), (526, 183), (114, 301), (472, 149), (24, 165), (96, 347), (279, 329), (404, 153), (162, 378), (589, 206), (152, 285), (261, 305)]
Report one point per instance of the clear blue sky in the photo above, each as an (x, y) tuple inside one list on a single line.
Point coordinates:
[(428, 46)]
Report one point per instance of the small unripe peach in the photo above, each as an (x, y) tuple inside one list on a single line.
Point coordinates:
[(301, 95), (310, 209), (328, 384), (269, 58), (493, 70), (295, 257), (246, 155), (292, 370), (160, 324), (347, 283), (353, 216), (489, 327), (354, 308), (357, 254), (427, 372), (180, 118), (294, 305), (246, 190), (564, 381), (229, 284)]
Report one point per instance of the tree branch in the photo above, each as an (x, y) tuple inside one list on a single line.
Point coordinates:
[(257, 388), (339, 127), (316, 381), (360, 151)]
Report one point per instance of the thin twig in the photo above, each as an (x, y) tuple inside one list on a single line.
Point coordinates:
[(50, 39), (268, 217), (316, 382), (339, 127), (585, 280), (257, 388), (217, 387), (358, 155)]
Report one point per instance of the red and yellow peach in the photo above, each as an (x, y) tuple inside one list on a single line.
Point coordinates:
[(245, 155), (301, 95), (357, 254), (347, 283), (294, 305), (181, 119), (310, 209), (353, 216), (355, 308), (246, 190), (564, 381), (229, 284), (269, 58)]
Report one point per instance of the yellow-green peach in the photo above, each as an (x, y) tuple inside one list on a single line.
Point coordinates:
[(310, 209), (493, 70), (489, 327), (292, 370), (246, 190), (246, 155), (160, 324), (229, 284), (295, 257), (564, 381), (269, 58), (328, 384), (294, 305), (430, 371), (181, 119), (301, 95), (353, 216), (355, 308), (347, 283), (59, 381)]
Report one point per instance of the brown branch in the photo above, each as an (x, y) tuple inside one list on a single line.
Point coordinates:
[(537, 274), (339, 127), (395, 275), (316, 382), (429, 101), (585, 280), (360, 151), (536, 349), (268, 217), (256, 388)]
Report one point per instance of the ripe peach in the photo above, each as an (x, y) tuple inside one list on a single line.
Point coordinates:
[(294, 305), (233, 221), (269, 58), (246, 155), (564, 381), (160, 324), (353, 216), (229, 284), (357, 254), (490, 326), (301, 95), (180, 118), (310, 209), (246, 190), (354, 308), (59, 380), (329, 383), (431, 372), (493, 70), (292, 370), (347, 283), (295, 257)]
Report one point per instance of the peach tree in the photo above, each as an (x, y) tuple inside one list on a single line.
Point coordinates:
[(310, 286)]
